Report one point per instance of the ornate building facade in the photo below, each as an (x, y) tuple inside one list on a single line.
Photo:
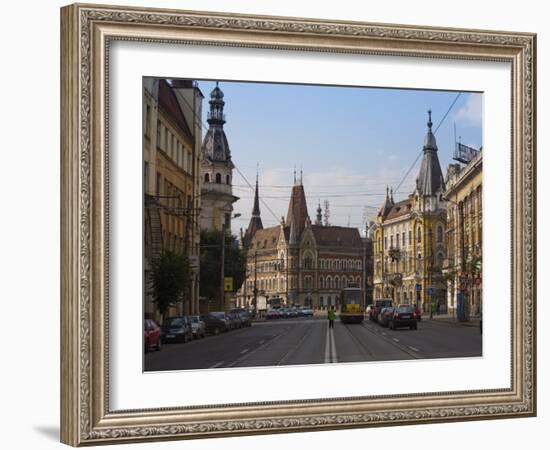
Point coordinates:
[(300, 262), (171, 143), (464, 238), (216, 168), (409, 238)]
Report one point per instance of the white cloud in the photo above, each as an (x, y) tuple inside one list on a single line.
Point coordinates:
[(471, 113)]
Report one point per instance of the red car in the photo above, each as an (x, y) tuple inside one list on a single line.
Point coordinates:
[(151, 336)]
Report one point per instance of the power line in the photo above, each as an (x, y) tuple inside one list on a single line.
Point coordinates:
[(435, 131)]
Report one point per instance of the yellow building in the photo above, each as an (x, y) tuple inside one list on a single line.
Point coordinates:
[(463, 267), (409, 238), (171, 184)]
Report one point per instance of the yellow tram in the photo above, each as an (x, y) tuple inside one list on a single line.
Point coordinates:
[(351, 305)]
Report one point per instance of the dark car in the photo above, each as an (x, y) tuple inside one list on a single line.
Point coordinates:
[(403, 316), (215, 322), (234, 320), (151, 335), (245, 316), (177, 329), (418, 313), (273, 314), (377, 307), (385, 316)]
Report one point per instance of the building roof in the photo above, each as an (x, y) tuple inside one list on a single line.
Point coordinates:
[(169, 103), (401, 208), (297, 209), (255, 223), (430, 178), (265, 238), (333, 236), (215, 146)]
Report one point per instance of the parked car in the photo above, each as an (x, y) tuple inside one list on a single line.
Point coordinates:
[(418, 313), (177, 329), (234, 320), (216, 322), (272, 314), (151, 336), (307, 311), (385, 315), (198, 327), (403, 316), (245, 316), (377, 308)]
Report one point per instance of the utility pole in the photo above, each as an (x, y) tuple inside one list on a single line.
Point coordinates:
[(222, 272), (255, 292)]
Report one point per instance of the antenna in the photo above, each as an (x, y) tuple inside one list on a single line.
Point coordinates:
[(327, 213)]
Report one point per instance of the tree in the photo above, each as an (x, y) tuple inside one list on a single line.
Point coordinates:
[(171, 278), (210, 263)]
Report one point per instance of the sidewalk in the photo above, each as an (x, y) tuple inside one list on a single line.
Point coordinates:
[(448, 318)]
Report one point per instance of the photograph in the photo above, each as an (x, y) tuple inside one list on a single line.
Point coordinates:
[(297, 224)]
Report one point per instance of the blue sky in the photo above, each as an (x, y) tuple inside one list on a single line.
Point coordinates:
[(350, 142)]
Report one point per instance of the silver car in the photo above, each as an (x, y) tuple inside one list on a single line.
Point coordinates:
[(198, 327)]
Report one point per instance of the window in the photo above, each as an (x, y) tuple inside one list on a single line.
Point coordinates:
[(218, 178), (403, 239), (207, 178), (227, 181), (391, 241), (159, 181), (410, 237), (439, 233), (148, 121), (418, 234), (321, 282), (159, 131), (145, 175), (385, 242)]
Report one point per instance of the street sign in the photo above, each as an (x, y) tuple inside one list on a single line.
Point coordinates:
[(418, 287), (228, 284)]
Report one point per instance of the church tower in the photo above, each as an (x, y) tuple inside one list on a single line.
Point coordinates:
[(216, 169), (255, 223)]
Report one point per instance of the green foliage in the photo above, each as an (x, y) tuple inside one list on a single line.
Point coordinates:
[(210, 261), (170, 280)]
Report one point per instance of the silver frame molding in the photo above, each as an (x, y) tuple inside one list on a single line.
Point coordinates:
[(86, 32)]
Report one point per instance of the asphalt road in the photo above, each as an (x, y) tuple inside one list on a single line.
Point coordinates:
[(310, 341)]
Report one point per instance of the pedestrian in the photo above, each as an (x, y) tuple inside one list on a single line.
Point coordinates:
[(331, 317)]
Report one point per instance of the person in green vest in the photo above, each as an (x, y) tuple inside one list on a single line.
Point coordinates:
[(331, 317)]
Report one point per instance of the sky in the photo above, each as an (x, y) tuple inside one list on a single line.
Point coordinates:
[(349, 142)]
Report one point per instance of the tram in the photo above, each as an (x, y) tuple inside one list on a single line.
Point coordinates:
[(351, 305)]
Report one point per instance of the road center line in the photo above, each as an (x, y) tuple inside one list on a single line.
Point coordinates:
[(334, 358), (395, 339), (244, 351), (327, 347), (261, 342), (414, 349)]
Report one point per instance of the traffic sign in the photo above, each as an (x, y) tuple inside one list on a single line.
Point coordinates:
[(228, 284)]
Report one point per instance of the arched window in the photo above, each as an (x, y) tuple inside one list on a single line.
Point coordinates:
[(440, 233), (218, 178), (418, 234), (227, 180), (321, 282), (337, 282), (207, 178)]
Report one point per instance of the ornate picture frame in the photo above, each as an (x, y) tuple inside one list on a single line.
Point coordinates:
[(87, 32)]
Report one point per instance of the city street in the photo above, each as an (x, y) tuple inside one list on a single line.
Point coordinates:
[(310, 341)]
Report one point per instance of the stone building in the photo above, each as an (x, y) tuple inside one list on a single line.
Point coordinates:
[(300, 262), (171, 143), (463, 266), (216, 168), (409, 238)]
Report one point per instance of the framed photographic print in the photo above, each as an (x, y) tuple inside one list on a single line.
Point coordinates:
[(277, 224)]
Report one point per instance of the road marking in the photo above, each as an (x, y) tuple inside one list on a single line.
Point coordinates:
[(414, 349), (244, 351), (333, 346), (383, 333), (261, 342), (330, 347), (218, 364), (395, 339), (327, 347)]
